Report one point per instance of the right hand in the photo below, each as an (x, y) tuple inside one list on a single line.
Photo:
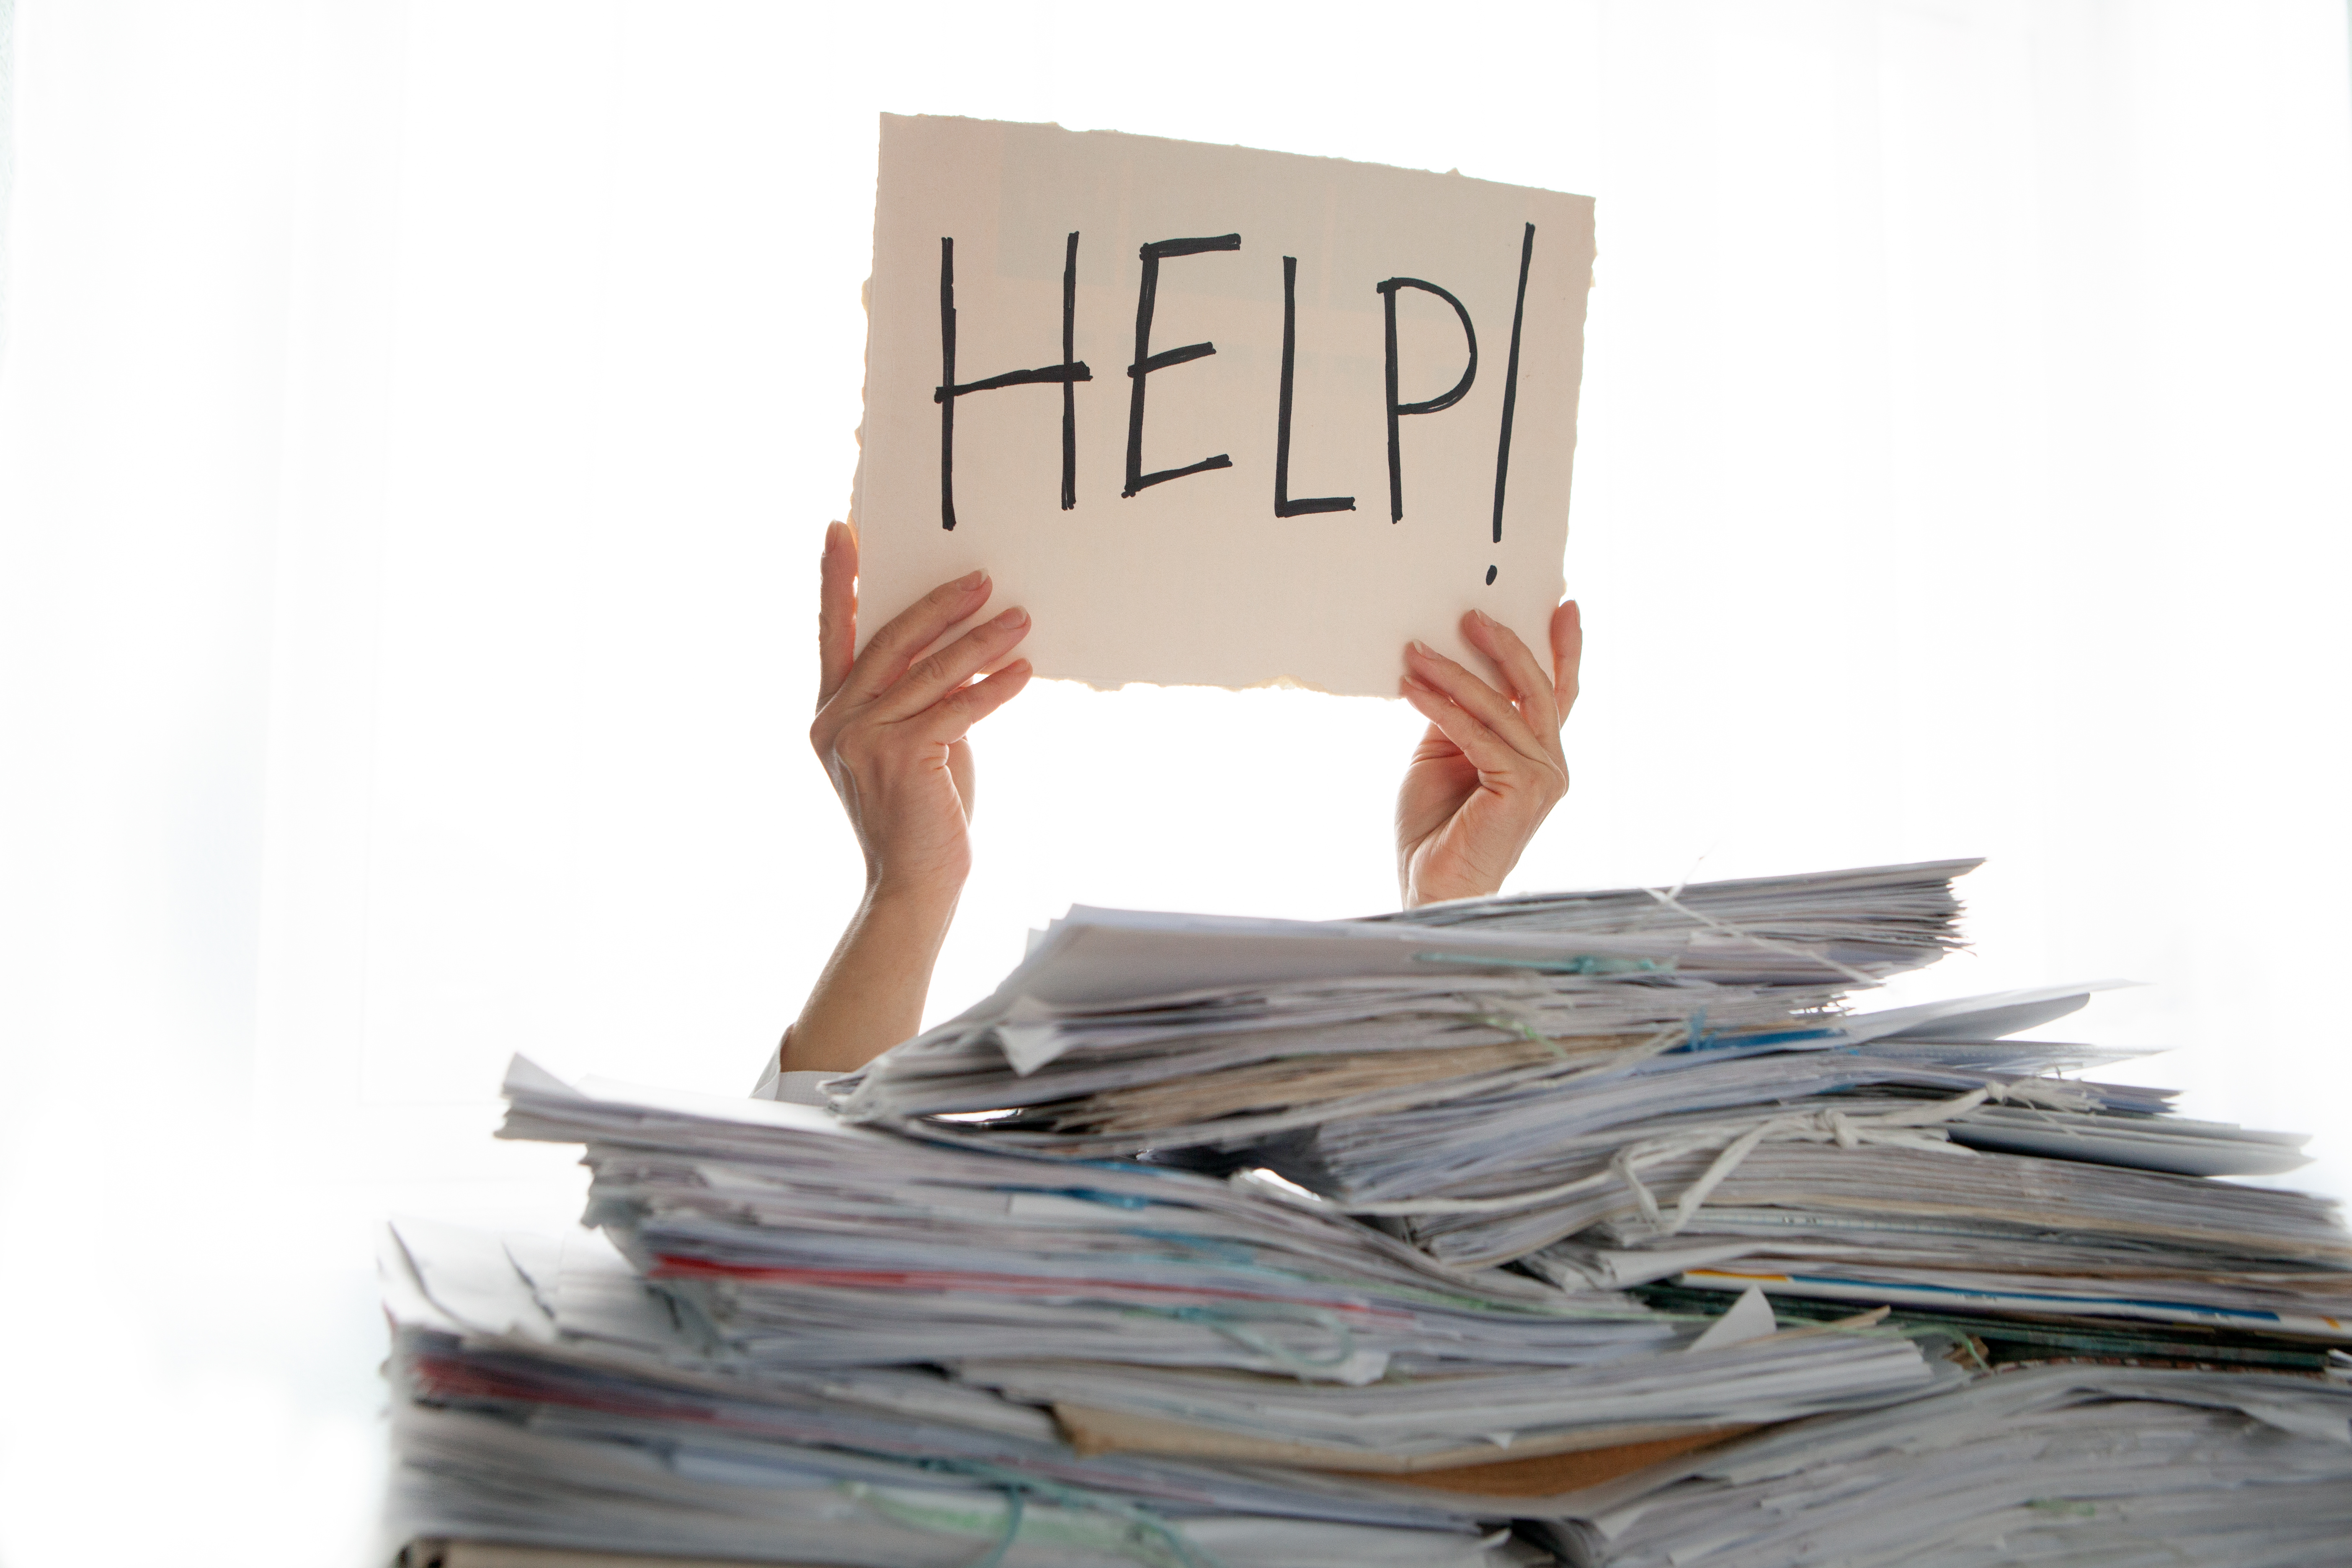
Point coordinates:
[(1491, 768), (890, 727)]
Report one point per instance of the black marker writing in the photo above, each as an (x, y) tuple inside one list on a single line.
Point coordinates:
[(1511, 385), (948, 389), (1388, 291), (1070, 383), (1283, 505), (1146, 362)]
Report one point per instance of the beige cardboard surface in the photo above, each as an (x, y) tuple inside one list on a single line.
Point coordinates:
[(1196, 580)]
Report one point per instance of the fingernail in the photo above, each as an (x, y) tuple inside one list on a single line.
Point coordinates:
[(1012, 617), (1421, 648), (972, 579), (1483, 619)]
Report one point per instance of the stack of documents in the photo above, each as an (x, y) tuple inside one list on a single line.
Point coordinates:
[(2066, 1464), (1123, 1031), (547, 1397), (1215, 1241), (1214, 1305), (1886, 917), (1612, 1090)]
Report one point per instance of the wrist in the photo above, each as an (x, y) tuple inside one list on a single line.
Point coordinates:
[(1442, 886), (871, 993), (910, 903)]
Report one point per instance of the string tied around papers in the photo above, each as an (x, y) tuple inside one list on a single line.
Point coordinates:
[(1683, 1037), (1668, 896), (1014, 1509), (1521, 1027), (1233, 1323), (1811, 1127), (1142, 1534), (1916, 1127)]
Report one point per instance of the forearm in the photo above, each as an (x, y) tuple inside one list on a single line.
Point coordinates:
[(870, 995)]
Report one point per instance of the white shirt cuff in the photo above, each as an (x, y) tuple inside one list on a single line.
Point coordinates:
[(792, 1088)]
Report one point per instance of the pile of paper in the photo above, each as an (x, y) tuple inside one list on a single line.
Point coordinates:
[(1123, 1031), (1659, 1093), (1240, 1241), (547, 1397), (2067, 1464), (804, 1242)]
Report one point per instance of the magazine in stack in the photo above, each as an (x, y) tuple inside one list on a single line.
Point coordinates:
[(1596, 1227)]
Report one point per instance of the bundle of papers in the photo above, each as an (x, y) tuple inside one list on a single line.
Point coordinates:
[(1596, 1225), (1123, 1031), (804, 1242), (1886, 917), (1621, 1088), (547, 1397), (2113, 1466)]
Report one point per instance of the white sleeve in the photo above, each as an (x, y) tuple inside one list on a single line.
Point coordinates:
[(792, 1088)]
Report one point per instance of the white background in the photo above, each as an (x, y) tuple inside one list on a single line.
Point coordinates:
[(417, 423)]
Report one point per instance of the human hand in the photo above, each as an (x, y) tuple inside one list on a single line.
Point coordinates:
[(890, 727), (1490, 769)]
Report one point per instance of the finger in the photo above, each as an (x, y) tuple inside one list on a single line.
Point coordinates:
[(947, 719), (1566, 653), (836, 611), (1529, 683), (935, 674), (890, 650), (1487, 752), (1491, 708), (1433, 743)]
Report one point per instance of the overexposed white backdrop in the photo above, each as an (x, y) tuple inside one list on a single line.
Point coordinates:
[(417, 422)]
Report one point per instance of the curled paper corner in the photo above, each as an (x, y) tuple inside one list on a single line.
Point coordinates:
[(1748, 1318)]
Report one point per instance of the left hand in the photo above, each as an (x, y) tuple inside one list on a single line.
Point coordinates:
[(890, 731), (890, 726), (1490, 769)]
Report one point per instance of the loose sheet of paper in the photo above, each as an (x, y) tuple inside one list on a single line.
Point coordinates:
[(1216, 416)]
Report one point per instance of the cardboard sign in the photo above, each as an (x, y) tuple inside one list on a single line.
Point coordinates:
[(1216, 416)]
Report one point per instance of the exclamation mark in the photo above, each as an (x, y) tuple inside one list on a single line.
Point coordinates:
[(1511, 389)]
